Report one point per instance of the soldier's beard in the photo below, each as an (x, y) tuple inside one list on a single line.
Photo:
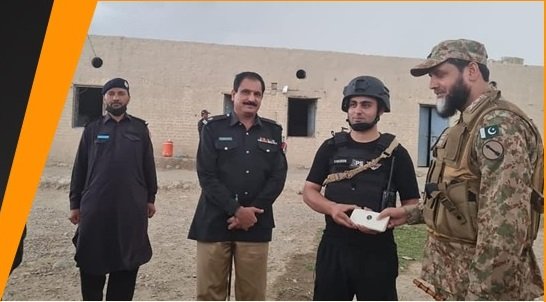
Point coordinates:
[(456, 99), (117, 111)]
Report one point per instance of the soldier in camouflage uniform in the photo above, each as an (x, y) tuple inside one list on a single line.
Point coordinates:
[(483, 196)]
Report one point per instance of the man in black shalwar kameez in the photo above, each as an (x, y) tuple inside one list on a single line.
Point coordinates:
[(112, 196)]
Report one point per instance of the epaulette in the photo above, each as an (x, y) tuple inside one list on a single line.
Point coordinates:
[(270, 121), (139, 119), (220, 117)]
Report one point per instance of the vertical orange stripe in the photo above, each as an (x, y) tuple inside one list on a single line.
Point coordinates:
[(61, 50)]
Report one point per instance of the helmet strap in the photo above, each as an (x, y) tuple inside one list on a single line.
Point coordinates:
[(363, 126)]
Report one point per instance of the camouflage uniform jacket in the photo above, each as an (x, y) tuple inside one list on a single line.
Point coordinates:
[(501, 264)]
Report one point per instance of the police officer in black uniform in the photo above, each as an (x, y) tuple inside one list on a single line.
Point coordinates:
[(112, 196), (353, 260), (241, 170)]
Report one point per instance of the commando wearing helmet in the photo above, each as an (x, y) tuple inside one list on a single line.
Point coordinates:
[(358, 170)]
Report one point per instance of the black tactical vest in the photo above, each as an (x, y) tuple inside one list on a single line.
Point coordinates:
[(364, 189)]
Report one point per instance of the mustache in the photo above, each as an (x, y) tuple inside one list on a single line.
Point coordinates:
[(439, 92), (250, 103)]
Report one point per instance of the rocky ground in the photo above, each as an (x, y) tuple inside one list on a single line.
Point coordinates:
[(48, 271)]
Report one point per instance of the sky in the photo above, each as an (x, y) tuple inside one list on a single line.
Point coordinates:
[(399, 29)]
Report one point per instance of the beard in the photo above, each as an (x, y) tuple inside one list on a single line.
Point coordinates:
[(116, 111), (455, 100)]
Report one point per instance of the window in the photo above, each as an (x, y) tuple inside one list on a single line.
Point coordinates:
[(301, 117), (87, 105)]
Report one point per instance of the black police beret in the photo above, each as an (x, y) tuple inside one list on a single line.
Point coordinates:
[(115, 83)]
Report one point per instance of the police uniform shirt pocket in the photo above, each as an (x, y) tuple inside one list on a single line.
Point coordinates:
[(102, 143), (225, 145), (132, 137), (268, 147)]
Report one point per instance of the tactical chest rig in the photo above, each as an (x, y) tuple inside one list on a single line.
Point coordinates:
[(349, 184), (453, 182)]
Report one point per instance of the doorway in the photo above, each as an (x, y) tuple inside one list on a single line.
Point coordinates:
[(431, 125)]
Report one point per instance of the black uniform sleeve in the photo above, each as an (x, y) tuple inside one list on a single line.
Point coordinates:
[(149, 168), (200, 126), (207, 173), (79, 170), (275, 182), (321, 164), (404, 175)]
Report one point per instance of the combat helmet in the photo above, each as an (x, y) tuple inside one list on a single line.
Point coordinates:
[(366, 86)]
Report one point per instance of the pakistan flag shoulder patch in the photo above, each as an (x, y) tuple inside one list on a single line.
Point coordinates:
[(489, 131)]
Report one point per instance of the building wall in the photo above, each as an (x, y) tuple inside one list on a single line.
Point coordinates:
[(171, 82)]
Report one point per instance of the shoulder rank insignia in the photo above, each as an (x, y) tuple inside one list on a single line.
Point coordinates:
[(489, 131)]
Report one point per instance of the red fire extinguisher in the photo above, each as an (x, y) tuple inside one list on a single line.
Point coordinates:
[(168, 148)]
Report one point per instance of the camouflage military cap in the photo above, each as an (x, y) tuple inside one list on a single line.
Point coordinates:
[(463, 49)]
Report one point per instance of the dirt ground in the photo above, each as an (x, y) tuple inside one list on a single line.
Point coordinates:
[(48, 271)]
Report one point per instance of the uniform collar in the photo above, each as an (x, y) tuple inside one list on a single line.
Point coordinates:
[(234, 120), (487, 97), (107, 117), (490, 94)]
